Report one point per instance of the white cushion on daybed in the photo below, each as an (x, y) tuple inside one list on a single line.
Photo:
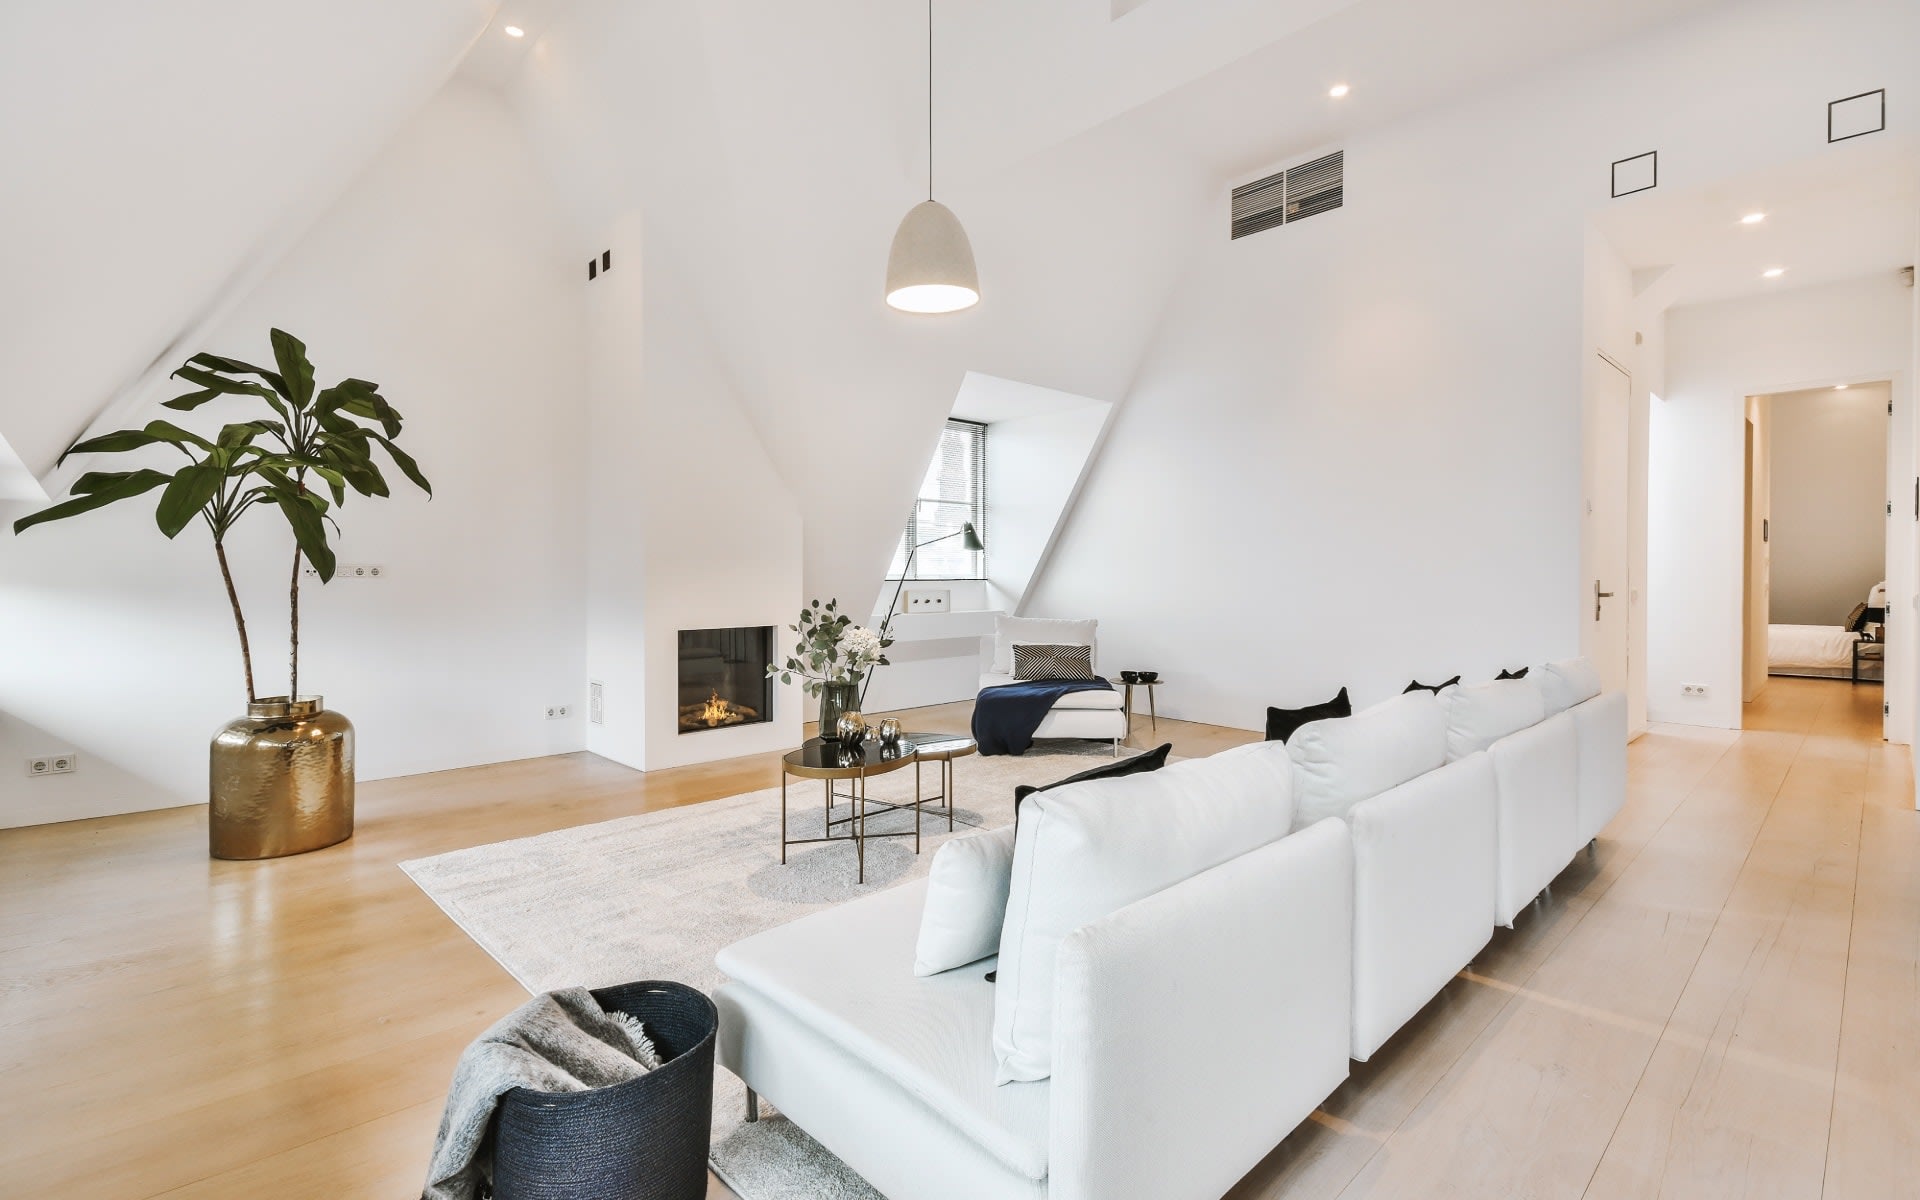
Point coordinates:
[(1039, 631), (1565, 683), (1343, 760), (1480, 714), (966, 901), (1094, 698), (1092, 848)]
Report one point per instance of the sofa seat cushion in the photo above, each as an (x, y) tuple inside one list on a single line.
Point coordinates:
[(1091, 849), (1097, 698), (1480, 714), (1338, 763), (847, 974)]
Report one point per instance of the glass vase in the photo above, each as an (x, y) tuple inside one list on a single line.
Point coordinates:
[(836, 698)]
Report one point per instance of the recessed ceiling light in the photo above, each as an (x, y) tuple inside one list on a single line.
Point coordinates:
[(514, 31), (1338, 90), (1753, 218), (1774, 272), (1839, 387)]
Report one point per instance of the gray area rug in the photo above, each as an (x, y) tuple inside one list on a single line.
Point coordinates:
[(656, 896)]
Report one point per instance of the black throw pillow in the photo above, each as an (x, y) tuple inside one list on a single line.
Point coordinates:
[(1520, 674), (1435, 688), (1139, 764), (1281, 722)]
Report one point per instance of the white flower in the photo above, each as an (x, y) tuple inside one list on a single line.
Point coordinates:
[(861, 646)]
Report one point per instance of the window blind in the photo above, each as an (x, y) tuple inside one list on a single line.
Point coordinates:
[(953, 493)]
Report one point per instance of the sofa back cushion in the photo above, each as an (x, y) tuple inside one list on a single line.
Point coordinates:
[(1133, 764), (1341, 762), (966, 901), (1480, 714), (1568, 682), (1039, 631), (1090, 849)]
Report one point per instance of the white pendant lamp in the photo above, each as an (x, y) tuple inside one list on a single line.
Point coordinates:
[(930, 269)]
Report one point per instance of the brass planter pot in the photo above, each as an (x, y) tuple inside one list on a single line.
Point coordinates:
[(281, 781)]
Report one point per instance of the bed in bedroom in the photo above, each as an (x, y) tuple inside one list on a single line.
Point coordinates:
[(1852, 650)]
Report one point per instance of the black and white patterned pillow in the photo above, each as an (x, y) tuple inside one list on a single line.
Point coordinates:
[(1052, 662)]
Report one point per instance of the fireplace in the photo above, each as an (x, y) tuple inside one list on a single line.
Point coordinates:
[(723, 677)]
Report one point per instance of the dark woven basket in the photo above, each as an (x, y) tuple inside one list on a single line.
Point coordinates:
[(645, 1139)]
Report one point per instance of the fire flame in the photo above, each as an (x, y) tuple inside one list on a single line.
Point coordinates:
[(716, 711)]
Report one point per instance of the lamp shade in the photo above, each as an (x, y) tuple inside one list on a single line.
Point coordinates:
[(970, 539), (930, 269)]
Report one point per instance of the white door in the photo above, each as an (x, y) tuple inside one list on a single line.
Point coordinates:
[(1603, 545)]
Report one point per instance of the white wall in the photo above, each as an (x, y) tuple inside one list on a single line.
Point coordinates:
[(1716, 356), (437, 275), (1365, 428), (1829, 502)]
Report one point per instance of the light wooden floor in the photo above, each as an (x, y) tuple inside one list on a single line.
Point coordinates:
[(1726, 1001)]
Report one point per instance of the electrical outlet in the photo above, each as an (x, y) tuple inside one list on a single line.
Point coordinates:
[(348, 571), (42, 765), (1693, 689), (558, 712), (596, 702)]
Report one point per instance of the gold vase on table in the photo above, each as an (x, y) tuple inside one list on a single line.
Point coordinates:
[(281, 780)]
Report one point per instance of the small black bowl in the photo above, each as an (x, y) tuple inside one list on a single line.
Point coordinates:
[(1129, 677), (1149, 677)]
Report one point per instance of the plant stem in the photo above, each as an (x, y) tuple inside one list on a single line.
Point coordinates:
[(239, 621), (293, 603)]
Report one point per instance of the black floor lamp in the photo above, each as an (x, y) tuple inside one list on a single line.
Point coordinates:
[(971, 541)]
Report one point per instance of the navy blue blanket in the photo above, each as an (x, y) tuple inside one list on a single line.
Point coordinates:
[(1005, 717)]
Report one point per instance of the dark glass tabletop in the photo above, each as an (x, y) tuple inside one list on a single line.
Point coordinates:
[(817, 757)]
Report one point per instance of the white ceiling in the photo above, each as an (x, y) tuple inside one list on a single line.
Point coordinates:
[(1845, 213), (989, 398), (158, 154)]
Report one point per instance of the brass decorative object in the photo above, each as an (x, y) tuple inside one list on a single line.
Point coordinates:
[(890, 731), (852, 728), (282, 780)]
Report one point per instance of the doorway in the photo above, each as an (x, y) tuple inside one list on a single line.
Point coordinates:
[(1818, 530), (1607, 587)]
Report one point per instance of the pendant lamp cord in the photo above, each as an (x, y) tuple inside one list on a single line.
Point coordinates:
[(929, 99)]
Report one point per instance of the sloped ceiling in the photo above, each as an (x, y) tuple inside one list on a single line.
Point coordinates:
[(156, 153)]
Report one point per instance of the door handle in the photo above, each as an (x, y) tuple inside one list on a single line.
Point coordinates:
[(1598, 596)]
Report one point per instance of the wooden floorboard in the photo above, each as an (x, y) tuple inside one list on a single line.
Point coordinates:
[(1723, 1000)]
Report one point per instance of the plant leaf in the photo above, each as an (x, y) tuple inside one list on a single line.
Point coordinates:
[(106, 490), (407, 466), (296, 370), (116, 442), (309, 530), (190, 491)]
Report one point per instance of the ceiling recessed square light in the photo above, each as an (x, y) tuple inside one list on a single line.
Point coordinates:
[(514, 31), (1753, 218), (1773, 272), (1338, 90)]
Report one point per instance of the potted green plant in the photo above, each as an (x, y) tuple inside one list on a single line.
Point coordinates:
[(282, 776), (831, 658)]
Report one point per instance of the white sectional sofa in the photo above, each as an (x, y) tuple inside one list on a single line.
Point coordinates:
[(1187, 958)]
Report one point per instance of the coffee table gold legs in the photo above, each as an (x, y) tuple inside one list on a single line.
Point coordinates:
[(783, 818)]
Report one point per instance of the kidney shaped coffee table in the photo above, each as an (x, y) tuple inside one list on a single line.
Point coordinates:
[(831, 762)]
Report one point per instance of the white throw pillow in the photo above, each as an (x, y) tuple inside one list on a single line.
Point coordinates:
[(1088, 849), (1039, 631), (1480, 714), (1566, 683), (1343, 760), (966, 902)]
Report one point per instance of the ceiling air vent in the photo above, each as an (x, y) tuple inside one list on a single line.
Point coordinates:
[(1289, 195)]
